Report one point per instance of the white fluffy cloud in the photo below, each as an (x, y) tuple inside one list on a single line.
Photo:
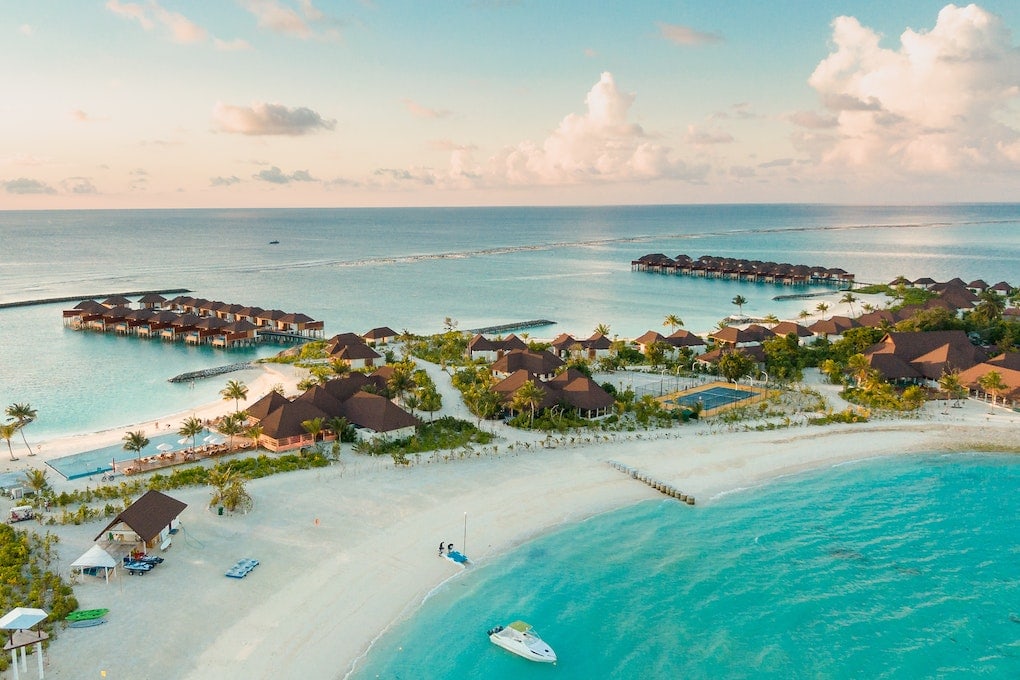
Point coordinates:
[(940, 103), (600, 145), (269, 119)]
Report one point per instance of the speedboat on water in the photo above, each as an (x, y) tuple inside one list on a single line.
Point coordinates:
[(521, 639)]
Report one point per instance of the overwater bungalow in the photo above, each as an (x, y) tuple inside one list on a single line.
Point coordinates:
[(739, 269), (194, 320)]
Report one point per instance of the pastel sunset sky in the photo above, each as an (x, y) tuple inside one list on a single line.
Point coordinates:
[(285, 103)]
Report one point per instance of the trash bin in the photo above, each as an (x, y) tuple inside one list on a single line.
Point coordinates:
[(219, 511)]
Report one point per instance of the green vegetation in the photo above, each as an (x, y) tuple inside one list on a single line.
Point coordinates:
[(28, 578), (445, 433)]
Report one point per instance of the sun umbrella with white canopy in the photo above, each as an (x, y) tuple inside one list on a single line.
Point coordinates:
[(165, 446)]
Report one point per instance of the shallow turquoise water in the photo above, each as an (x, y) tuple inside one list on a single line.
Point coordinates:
[(889, 568)]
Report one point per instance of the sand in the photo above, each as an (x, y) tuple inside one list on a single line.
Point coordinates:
[(347, 550)]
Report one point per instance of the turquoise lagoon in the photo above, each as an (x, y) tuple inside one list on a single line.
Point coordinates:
[(901, 567)]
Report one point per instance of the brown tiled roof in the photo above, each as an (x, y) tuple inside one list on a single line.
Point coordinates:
[(346, 386), (285, 421), (684, 338), (893, 367), (380, 333), (649, 337), (322, 399), (541, 363), (266, 405), (148, 516), (929, 352), (784, 328), (376, 413)]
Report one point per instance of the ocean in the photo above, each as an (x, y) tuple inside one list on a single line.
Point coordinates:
[(901, 567), (894, 568), (357, 269)]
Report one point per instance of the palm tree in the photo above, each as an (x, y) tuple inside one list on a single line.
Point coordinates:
[(7, 431), (22, 414), (950, 384), (230, 491), (858, 366), (992, 383), (739, 301), (803, 314), (313, 426), (191, 427), (528, 396), (235, 390), (255, 433), (339, 426), (771, 319), (849, 298), (135, 441), (401, 380), (36, 481), (674, 322), (822, 307), (231, 425), (602, 329)]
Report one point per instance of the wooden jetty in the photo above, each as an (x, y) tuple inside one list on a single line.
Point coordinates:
[(662, 487)]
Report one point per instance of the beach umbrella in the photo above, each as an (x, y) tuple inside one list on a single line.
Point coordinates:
[(184, 440), (164, 447)]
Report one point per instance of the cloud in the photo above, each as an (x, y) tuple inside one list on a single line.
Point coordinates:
[(269, 119), (937, 104), (419, 111), (599, 146), (80, 116), (224, 181), (685, 35), (277, 17), (276, 176), (701, 137), (812, 120), (25, 29), (23, 185), (79, 185), (449, 145), (152, 15)]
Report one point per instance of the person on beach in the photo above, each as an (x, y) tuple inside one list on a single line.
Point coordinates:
[(441, 544)]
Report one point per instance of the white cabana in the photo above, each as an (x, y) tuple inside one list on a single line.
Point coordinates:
[(95, 558)]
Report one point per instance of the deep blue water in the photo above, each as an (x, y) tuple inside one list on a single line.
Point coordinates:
[(412, 268), (887, 568)]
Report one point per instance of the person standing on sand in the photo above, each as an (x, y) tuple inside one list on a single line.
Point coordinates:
[(441, 544)]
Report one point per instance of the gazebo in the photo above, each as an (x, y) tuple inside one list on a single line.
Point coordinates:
[(95, 558), (20, 621)]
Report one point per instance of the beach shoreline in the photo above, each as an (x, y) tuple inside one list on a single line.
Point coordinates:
[(349, 550)]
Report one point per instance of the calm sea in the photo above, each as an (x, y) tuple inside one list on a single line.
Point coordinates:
[(412, 268), (893, 568)]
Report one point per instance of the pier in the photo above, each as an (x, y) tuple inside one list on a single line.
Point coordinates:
[(69, 298), (662, 487), (520, 325)]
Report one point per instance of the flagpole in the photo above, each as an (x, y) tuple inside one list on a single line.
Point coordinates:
[(464, 543)]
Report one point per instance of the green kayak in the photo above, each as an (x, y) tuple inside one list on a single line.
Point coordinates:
[(87, 614)]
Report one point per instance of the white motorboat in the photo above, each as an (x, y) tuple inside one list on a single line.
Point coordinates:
[(521, 639)]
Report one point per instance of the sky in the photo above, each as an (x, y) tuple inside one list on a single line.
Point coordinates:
[(337, 103)]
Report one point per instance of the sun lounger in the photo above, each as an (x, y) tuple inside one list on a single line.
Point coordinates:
[(242, 567)]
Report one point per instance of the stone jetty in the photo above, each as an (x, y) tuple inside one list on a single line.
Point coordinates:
[(520, 325), (210, 372)]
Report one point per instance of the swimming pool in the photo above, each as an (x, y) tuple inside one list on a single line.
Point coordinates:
[(714, 397), (99, 461)]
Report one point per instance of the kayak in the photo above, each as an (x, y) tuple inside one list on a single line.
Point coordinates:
[(87, 614)]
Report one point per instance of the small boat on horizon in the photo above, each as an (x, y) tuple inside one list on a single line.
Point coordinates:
[(274, 242), (521, 639)]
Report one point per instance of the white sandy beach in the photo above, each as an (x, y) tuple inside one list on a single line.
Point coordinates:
[(347, 550)]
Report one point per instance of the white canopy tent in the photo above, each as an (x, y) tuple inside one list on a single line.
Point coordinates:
[(95, 558)]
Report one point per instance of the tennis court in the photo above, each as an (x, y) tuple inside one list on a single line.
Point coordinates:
[(713, 397)]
